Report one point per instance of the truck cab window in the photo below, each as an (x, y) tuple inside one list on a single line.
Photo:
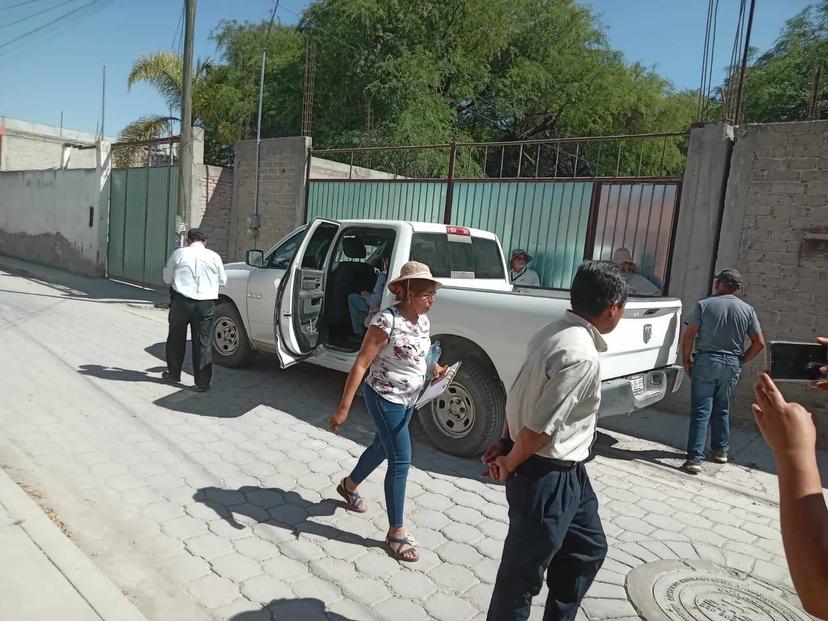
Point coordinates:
[(281, 256), (479, 259)]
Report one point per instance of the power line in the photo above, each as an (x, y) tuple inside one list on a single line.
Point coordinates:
[(174, 45), (37, 14), (14, 6), (57, 20)]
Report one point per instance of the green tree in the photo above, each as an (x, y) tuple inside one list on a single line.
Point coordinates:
[(163, 70), (779, 83)]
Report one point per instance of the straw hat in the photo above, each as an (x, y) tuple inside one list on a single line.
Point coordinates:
[(517, 252), (622, 255), (414, 270)]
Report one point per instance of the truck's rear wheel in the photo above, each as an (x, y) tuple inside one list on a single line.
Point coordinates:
[(231, 347), (468, 418)]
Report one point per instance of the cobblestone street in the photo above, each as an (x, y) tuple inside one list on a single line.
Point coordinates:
[(223, 506)]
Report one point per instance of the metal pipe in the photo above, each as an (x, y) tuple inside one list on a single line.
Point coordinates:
[(520, 161), (577, 153)]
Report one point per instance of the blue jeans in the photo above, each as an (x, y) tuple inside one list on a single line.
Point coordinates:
[(714, 378), (358, 309), (392, 442)]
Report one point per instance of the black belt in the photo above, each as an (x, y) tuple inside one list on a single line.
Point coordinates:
[(535, 464)]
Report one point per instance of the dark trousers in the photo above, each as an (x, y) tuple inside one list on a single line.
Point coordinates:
[(198, 315), (554, 528)]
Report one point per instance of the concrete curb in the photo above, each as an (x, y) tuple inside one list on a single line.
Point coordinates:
[(96, 589)]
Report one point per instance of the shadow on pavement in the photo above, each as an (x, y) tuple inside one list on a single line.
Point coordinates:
[(309, 393), (284, 509), (606, 445), (304, 609), (122, 375), (82, 288)]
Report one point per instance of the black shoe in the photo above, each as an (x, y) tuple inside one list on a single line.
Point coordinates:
[(169, 378), (201, 388)]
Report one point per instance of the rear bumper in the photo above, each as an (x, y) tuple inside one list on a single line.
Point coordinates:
[(627, 394)]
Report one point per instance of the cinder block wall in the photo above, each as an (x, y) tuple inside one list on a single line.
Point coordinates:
[(281, 191), (213, 207), (775, 231)]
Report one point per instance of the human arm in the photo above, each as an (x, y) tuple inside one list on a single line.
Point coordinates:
[(688, 342), (533, 280), (789, 430), (222, 275), (375, 339), (374, 298), (823, 383), (757, 344), (169, 268)]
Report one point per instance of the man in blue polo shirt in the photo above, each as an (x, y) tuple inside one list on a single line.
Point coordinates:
[(717, 330)]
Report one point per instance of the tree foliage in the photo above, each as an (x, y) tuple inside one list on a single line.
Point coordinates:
[(397, 72), (779, 83)]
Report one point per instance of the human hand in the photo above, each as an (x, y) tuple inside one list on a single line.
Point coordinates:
[(788, 428), (823, 383), (495, 450), (338, 419), (439, 373), (501, 469), (364, 295)]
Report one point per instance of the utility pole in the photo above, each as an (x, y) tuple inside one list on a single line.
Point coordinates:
[(103, 103), (185, 159), (255, 220)]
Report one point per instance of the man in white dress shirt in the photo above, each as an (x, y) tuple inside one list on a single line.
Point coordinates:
[(551, 412), (194, 275)]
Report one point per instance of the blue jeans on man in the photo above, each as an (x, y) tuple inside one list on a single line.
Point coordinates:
[(714, 378), (358, 309)]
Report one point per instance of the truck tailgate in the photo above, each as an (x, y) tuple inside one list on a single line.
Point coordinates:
[(647, 338)]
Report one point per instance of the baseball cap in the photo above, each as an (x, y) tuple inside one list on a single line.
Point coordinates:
[(730, 277)]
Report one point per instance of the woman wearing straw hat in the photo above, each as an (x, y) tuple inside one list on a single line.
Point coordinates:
[(393, 354)]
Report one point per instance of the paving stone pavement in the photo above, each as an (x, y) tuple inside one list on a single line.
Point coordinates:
[(231, 497)]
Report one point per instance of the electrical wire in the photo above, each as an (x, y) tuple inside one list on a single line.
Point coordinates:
[(176, 34), (14, 6), (37, 14), (60, 21)]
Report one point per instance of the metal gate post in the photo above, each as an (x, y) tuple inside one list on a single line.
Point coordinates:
[(450, 184)]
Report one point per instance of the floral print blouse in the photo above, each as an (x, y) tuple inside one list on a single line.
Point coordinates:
[(398, 372)]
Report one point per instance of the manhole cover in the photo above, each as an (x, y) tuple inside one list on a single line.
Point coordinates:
[(702, 591)]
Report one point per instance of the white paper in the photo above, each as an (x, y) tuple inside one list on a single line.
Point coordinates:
[(433, 391)]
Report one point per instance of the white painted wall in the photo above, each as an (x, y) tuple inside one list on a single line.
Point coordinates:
[(33, 146), (45, 218)]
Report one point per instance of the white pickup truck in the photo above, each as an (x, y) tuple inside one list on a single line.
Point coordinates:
[(292, 301)]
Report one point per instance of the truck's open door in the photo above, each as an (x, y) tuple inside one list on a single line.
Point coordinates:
[(301, 294)]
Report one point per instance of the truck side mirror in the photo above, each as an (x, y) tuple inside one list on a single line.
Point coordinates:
[(255, 258)]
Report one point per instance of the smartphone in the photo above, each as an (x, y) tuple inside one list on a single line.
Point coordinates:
[(796, 362)]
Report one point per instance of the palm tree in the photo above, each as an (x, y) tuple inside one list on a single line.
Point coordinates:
[(164, 71)]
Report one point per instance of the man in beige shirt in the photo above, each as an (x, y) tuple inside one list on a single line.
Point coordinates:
[(551, 412)]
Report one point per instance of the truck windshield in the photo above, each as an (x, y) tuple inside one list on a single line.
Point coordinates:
[(473, 257)]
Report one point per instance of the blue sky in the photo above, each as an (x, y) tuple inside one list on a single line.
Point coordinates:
[(60, 67)]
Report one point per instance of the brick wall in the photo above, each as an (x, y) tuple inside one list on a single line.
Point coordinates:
[(281, 191), (213, 207), (775, 231)]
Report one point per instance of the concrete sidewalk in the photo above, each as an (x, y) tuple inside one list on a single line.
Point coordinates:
[(45, 575)]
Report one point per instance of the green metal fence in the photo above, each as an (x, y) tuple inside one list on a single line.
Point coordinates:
[(142, 209), (547, 218)]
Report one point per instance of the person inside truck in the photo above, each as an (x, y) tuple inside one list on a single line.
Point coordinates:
[(519, 274), (638, 284), (393, 363), (360, 305)]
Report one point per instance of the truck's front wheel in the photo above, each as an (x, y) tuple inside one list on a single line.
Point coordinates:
[(468, 417), (231, 347)]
